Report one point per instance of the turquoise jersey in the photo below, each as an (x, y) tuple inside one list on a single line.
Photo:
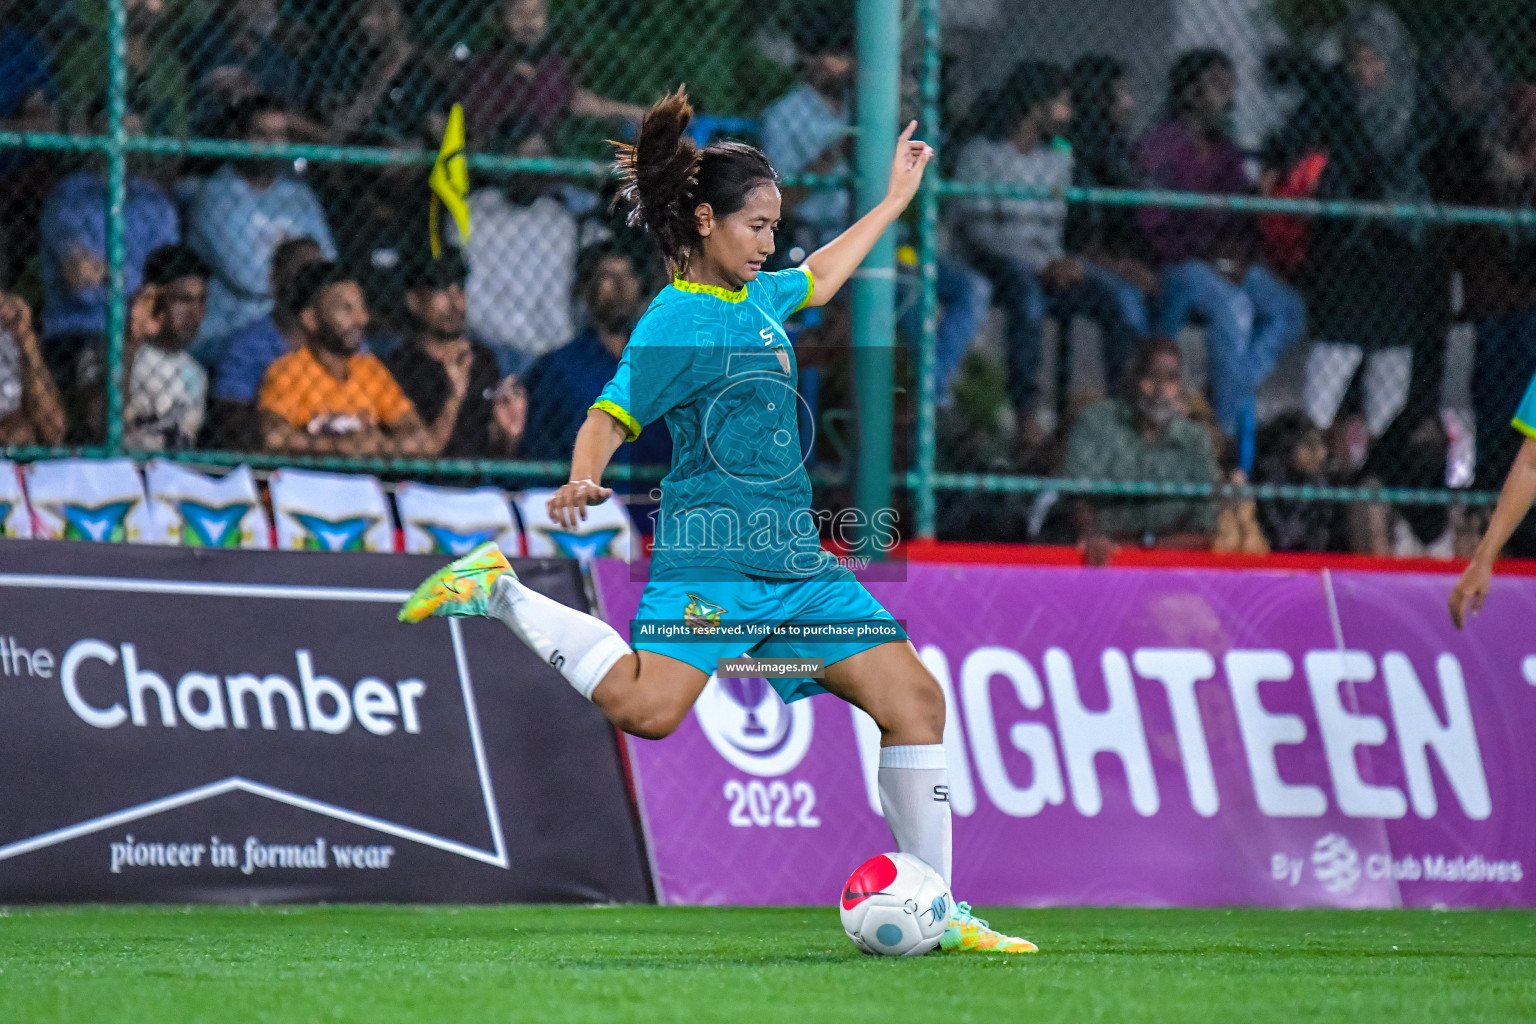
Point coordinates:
[(719, 368), (1525, 415)]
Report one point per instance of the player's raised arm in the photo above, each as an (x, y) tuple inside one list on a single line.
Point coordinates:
[(834, 263)]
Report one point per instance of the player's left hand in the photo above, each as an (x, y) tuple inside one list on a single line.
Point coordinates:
[(912, 156), (568, 505)]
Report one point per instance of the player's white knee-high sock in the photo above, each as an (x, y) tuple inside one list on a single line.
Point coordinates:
[(581, 647), (914, 793)]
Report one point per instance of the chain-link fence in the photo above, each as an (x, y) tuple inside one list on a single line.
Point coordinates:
[(1250, 273)]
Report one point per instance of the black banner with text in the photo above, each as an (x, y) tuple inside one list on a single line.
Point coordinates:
[(228, 726)]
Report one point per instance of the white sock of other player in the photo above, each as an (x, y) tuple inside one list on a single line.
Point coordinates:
[(914, 793), (581, 647)]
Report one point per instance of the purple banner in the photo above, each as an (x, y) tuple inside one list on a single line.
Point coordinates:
[(1136, 736)]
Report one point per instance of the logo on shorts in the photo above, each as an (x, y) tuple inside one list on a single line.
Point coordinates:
[(701, 616), (749, 726)]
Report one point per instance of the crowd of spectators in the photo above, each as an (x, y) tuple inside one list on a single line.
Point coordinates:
[(291, 309), (295, 309), (1372, 301)]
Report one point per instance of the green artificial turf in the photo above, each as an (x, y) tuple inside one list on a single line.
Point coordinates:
[(377, 964)]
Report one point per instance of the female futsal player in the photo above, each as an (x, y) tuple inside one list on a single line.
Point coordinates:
[(736, 545)]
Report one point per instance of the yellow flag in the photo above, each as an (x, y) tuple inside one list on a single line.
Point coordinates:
[(449, 181)]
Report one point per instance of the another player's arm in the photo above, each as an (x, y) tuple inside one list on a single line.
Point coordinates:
[(596, 441), (834, 263), (1515, 500)]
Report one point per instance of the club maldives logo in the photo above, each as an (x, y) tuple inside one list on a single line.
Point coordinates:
[(457, 540), (1336, 864), (322, 534), (99, 523), (211, 526), (588, 545), (749, 726)]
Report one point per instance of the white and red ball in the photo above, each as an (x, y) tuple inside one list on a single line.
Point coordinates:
[(895, 905)]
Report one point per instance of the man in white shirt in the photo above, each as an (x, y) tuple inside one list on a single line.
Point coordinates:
[(167, 389), (522, 266)]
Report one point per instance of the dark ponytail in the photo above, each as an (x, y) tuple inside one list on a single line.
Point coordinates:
[(665, 177)]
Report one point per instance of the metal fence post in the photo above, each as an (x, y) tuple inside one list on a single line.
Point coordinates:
[(117, 189), (874, 284), (928, 243)]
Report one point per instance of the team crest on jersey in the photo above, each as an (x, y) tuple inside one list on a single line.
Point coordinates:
[(701, 616)]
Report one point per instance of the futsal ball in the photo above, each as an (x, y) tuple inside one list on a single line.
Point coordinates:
[(895, 905)]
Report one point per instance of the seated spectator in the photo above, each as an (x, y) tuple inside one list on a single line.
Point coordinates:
[(383, 232), (563, 384), (74, 256), (1143, 434), (1412, 454), (1112, 245), (245, 54), (28, 97), (807, 130), (524, 85), (167, 390), (451, 380), (27, 90), (1494, 166), (1208, 256), (330, 397), (509, 419), (243, 213), (1376, 299), (30, 410), (257, 345), (369, 83), (1292, 452), (158, 87), (522, 263), (1018, 243)]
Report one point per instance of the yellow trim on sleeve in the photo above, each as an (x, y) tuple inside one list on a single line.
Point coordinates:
[(810, 288), (629, 423), (1523, 427), (739, 295)]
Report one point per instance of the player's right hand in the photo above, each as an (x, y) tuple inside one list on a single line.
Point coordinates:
[(568, 505), (1470, 591)]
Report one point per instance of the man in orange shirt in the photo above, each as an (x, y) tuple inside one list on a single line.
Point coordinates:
[(330, 397)]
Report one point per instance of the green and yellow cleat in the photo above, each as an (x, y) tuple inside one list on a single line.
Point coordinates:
[(461, 587), (970, 934)]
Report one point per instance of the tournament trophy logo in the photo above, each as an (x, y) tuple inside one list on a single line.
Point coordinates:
[(749, 726)]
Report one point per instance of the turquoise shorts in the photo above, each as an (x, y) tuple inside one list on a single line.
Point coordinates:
[(731, 615)]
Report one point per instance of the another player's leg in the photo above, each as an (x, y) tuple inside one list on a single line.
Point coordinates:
[(893, 687), (641, 692)]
